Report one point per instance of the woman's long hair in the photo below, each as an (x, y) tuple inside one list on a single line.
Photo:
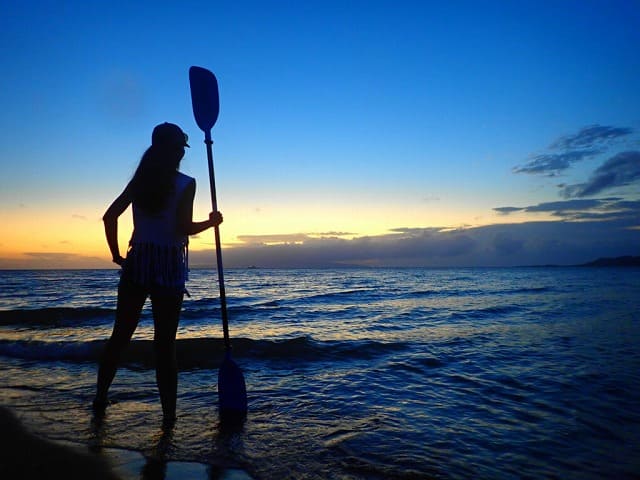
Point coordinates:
[(154, 180)]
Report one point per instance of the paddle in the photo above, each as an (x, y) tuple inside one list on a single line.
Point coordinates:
[(232, 391)]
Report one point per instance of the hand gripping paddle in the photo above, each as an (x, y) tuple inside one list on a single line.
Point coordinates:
[(232, 391)]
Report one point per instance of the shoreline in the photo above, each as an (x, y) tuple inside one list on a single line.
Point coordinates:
[(29, 455), (133, 465)]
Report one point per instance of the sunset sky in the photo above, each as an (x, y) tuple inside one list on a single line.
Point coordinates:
[(391, 133)]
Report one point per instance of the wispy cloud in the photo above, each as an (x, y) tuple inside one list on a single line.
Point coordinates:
[(620, 170), (507, 210), (604, 209), (565, 206), (50, 255), (570, 149), (416, 230), (552, 164), (590, 136), (290, 238), (332, 234), (271, 239), (54, 260)]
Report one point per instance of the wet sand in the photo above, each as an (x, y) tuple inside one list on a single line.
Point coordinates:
[(25, 455), (129, 465)]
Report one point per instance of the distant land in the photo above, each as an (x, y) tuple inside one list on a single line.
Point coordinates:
[(627, 261)]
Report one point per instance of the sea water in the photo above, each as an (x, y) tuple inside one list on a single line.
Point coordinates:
[(351, 373)]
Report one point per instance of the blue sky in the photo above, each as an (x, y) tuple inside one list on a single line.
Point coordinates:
[(440, 133)]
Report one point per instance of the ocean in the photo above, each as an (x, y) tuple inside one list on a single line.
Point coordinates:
[(483, 373)]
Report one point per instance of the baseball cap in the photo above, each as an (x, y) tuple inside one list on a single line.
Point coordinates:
[(169, 134)]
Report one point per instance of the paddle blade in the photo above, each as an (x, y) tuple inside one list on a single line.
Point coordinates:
[(204, 97), (232, 390)]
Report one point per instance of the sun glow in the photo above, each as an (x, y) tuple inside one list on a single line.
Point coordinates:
[(61, 239)]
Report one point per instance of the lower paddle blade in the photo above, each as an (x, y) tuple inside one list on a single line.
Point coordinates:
[(204, 97), (232, 390)]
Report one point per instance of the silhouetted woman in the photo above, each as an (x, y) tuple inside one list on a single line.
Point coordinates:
[(156, 262)]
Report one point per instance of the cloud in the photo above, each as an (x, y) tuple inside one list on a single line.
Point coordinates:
[(552, 164), (620, 170), (570, 149), (332, 234), (529, 243), (508, 244), (589, 136), (78, 217), (50, 255), (273, 238), (56, 260), (416, 230), (507, 210), (583, 229), (401, 247), (612, 208), (565, 206), (631, 205), (289, 238)]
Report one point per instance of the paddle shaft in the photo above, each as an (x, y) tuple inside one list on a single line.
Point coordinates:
[(214, 205)]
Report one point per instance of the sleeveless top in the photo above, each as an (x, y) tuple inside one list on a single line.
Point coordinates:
[(158, 253)]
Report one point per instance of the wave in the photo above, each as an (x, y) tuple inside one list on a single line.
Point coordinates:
[(66, 316), (429, 293), (529, 290), (194, 353), (497, 310), (471, 292), (328, 297)]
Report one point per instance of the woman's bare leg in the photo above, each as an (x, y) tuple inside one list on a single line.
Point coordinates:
[(166, 314), (130, 303)]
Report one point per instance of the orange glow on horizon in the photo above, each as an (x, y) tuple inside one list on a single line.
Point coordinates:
[(60, 239)]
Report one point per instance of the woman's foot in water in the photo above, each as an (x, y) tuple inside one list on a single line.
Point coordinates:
[(168, 422), (99, 405)]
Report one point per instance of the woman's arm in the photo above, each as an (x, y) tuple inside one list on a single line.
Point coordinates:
[(185, 214), (110, 219)]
